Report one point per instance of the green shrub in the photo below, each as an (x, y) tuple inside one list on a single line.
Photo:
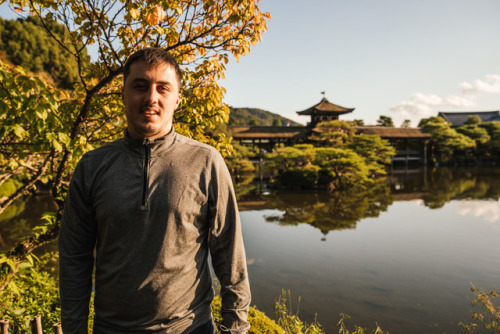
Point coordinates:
[(33, 292), (259, 322)]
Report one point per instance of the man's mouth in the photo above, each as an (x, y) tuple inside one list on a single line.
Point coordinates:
[(149, 112)]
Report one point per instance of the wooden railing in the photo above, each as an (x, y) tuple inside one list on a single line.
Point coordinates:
[(35, 324)]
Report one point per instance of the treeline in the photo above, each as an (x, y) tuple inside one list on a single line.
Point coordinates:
[(472, 143), (23, 42)]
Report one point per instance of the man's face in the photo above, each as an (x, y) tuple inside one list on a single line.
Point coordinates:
[(150, 95)]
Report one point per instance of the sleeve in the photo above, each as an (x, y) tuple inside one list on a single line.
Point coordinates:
[(77, 240), (227, 250)]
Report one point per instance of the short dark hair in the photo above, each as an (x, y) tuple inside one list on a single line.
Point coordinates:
[(152, 56)]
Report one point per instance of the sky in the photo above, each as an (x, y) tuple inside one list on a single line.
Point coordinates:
[(400, 58), (405, 59)]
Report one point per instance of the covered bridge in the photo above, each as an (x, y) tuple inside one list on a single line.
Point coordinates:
[(266, 137)]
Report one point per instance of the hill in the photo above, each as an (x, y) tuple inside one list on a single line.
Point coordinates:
[(255, 116), (23, 42)]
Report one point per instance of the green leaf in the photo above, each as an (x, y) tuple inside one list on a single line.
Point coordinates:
[(57, 146), (19, 131)]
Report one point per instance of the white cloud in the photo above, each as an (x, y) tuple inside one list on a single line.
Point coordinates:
[(422, 105), (490, 84), (460, 101)]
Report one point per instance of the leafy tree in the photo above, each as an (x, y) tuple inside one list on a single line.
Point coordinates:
[(358, 122), (291, 157), (493, 129), (238, 162), (491, 149), (45, 131), (334, 133), (342, 159), (342, 168), (473, 119), (473, 131), (305, 166), (406, 123), (447, 144), (376, 151), (385, 121), (342, 134), (277, 122)]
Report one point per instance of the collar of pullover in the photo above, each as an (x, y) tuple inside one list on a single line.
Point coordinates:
[(156, 146)]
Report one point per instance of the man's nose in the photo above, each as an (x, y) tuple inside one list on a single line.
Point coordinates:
[(151, 95)]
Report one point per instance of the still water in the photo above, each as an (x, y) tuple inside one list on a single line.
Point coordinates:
[(402, 256)]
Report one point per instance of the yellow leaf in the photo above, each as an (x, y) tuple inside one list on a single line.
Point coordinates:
[(134, 13)]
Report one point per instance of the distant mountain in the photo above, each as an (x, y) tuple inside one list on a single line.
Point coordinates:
[(255, 116)]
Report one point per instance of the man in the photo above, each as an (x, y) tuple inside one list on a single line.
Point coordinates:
[(152, 205)]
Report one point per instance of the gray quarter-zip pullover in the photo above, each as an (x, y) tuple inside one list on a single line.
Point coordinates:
[(152, 210)]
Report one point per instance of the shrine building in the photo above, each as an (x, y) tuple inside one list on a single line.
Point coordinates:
[(410, 143)]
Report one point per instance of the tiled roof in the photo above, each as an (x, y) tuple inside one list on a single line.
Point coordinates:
[(459, 118), (256, 132), (324, 107), (389, 132)]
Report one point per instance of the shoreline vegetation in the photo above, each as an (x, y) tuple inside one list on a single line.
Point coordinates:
[(34, 292)]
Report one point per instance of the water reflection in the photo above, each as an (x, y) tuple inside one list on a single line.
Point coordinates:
[(402, 254), (329, 211), (488, 211), (439, 186), (18, 220), (341, 210)]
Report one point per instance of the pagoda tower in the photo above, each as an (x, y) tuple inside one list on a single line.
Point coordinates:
[(324, 111)]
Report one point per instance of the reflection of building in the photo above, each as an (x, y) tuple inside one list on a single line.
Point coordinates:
[(410, 143), (459, 118)]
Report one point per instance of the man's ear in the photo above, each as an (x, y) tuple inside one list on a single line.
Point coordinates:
[(178, 101)]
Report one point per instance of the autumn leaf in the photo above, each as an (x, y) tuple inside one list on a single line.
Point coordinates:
[(156, 16)]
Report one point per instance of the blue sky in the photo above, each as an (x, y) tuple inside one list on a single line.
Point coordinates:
[(399, 58), (405, 59)]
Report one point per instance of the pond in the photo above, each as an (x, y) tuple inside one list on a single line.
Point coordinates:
[(403, 254)]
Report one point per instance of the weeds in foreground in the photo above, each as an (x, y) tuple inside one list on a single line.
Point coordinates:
[(489, 315), (290, 321), (357, 330), (35, 292), (292, 324)]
